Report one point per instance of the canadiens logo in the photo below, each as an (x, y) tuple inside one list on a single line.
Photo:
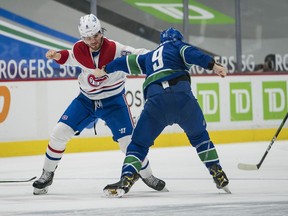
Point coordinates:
[(93, 81)]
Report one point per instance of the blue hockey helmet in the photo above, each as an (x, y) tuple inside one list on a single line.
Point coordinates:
[(171, 34)]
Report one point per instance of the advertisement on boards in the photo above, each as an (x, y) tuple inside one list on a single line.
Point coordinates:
[(35, 91)]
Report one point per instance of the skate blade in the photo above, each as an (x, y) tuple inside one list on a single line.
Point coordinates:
[(40, 191), (227, 190), (164, 190), (114, 193)]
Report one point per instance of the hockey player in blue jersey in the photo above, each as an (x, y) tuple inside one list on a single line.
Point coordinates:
[(169, 100)]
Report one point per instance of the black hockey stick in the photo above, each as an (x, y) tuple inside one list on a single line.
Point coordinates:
[(243, 166), (17, 181)]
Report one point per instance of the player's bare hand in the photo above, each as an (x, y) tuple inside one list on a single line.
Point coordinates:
[(99, 72), (220, 70), (52, 54)]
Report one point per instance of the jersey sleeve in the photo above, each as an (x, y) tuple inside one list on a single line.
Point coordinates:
[(67, 58), (130, 64), (64, 57), (118, 64), (193, 56)]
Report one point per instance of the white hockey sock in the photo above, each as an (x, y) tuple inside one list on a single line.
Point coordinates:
[(61, 134), (146, 170)]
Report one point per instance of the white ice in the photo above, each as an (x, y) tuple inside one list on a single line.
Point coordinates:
[(80, 178)]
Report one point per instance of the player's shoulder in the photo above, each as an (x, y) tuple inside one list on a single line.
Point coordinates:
[(79, 43), (181, 44), (80, 46), (110, 41), (118, 44)]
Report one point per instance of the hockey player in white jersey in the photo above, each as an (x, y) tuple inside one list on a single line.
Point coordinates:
[(102, 98)]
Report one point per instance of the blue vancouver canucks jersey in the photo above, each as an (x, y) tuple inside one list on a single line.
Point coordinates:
[(170, 60)]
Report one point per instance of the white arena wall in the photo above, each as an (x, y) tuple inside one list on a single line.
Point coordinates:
[(35, 107), (239, 108)]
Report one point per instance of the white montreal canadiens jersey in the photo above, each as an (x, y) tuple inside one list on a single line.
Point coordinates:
[(103, 87)]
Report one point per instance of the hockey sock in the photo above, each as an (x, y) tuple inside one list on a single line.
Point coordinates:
[(146, 170), (131, 165), (207, 153), (61, 134)]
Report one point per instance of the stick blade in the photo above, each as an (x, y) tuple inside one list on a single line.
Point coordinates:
[(243, 166), (18, 180)]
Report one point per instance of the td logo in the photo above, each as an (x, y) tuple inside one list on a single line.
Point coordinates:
[(208, 98), (172, 11), (274, 99), (241, 101)]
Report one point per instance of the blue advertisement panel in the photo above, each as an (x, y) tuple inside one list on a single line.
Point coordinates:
[(22, 56)]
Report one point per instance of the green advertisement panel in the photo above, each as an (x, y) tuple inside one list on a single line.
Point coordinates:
[(208, 98), (241, 101), (172, 11), (274, 99)]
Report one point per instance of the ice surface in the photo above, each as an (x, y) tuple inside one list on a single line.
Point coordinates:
[(80, 178)]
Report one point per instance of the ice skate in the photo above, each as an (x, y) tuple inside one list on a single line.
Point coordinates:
[(155, 183), (41, 185), (220, 178), (122, 187)]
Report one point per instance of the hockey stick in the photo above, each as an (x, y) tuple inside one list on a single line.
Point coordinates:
[(17, 181), (243, 166)]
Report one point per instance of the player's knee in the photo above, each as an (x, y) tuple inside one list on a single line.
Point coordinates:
[(124, 142), (199, 138), (137, 150), (61, 134)]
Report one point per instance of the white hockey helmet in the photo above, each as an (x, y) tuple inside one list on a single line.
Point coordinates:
[(89, 25)]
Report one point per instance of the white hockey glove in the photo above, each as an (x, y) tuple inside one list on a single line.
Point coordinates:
[(220, 70), (99, 72)]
